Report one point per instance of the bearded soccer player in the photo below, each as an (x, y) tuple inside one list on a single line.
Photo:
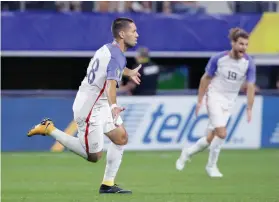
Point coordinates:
[(221, 83)]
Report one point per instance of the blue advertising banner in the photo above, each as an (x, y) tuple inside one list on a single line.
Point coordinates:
[(32, 31), (270, 122), (152, 123), (19, 115)]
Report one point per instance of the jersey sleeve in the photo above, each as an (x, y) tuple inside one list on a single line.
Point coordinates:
[(113, 70), (251, 72), (211, 66)]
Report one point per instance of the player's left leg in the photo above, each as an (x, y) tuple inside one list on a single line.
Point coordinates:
[(214, 151), (47, 128), (119, 138), (219, 122), (199, 146)]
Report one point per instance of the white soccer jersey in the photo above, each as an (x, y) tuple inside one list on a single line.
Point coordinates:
[(107, 63), (92, 115), (228, 75)]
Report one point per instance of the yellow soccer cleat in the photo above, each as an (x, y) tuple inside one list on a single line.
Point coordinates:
[(44, 128)]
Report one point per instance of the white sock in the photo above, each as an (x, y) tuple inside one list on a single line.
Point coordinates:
[(200, 145), (214, 152), (72, 143), (114, 158)]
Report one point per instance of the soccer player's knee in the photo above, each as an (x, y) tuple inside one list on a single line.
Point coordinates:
[(221, 132), (123, 140), (94, 157), (222, 135)]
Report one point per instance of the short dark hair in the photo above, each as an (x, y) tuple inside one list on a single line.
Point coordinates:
[(236, 33), (119, 24)]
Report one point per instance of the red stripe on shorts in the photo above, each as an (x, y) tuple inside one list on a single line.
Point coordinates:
[(88, 118)]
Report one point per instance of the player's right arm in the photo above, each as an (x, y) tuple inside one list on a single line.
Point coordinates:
[(113, 77), (111, 93), (210, 70), (204, 83)]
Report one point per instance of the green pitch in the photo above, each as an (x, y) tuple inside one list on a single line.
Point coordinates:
[(64, 177)]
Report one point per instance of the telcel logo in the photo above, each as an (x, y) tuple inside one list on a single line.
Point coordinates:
[(172, 122)]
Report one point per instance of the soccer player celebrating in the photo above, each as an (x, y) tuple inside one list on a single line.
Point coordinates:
[(224, 75), (95, 108)]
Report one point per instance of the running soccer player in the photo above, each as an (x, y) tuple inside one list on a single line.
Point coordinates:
[(95, 107), (224, 75)]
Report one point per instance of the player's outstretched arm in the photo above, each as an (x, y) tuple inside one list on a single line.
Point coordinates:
[(250, 95), (251, 80), (250, 100), (133, 74), (205, 81), (210, 70)]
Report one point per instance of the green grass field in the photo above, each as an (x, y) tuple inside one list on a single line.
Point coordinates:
[(64, 177)]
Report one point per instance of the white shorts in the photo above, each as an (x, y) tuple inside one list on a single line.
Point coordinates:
[(218, 112), (94, 123)]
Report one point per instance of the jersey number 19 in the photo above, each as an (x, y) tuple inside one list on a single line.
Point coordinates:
[(232, 75)]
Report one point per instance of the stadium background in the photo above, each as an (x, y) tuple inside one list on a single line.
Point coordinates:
[(45, 50), (45, 55)]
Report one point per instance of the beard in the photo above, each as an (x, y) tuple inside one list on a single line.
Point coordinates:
[(128, 45), (238, 54)]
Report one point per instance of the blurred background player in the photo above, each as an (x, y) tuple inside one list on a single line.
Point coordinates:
[(95, 108), (224, 75), (149, 76)]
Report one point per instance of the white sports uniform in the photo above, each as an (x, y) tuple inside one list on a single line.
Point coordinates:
[(228, 76), (91, 109)]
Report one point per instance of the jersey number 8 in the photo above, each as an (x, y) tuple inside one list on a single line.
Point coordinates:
[(91, 74)]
